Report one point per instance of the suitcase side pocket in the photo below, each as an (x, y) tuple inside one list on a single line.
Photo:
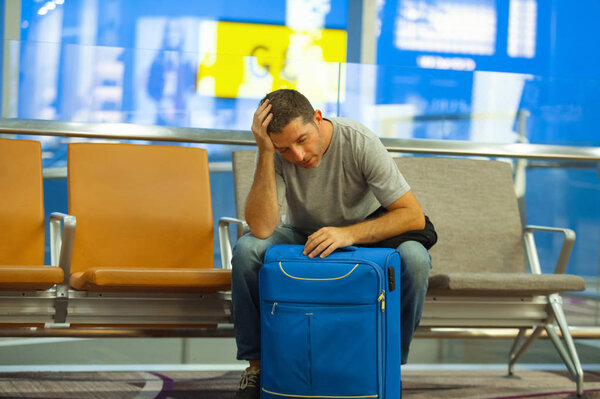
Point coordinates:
[(320, 350), (285, 342)]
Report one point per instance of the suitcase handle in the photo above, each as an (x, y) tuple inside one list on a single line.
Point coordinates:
[(347, 249)]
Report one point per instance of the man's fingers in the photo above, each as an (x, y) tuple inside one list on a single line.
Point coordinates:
[(329, 250), (312, 241), (262, 118), (267, 120), (318, 249), (262, 106), (324, 241), (308, 247), (262, 111)]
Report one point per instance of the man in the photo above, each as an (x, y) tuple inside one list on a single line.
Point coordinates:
[(342, 188)]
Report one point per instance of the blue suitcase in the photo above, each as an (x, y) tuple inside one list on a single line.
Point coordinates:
[(330, 328)]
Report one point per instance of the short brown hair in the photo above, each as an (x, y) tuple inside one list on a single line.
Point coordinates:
[(287, 105)]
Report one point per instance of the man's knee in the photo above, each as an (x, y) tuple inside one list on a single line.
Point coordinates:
[(416, 260), (247, 245), (248, 253)]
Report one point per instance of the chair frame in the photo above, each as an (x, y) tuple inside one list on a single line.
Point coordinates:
[(44, 306)]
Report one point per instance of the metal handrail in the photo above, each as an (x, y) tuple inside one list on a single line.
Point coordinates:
[(127, 131)]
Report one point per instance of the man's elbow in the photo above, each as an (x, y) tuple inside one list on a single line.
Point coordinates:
[(261, 232), (419, 220)]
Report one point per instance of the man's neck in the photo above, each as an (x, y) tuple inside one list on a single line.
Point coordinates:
[(327, 132)]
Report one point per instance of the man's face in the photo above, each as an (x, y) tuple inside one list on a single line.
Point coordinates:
[(301, 144)]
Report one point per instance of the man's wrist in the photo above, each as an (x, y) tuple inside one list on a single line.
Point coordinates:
[(363, 232), (268, 152), (353, 234)]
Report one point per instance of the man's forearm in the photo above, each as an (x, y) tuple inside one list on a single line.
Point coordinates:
[(404, 214), (262, 208), (388, 225), (395, 222)]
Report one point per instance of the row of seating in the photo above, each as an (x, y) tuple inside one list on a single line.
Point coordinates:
[(136, 248)]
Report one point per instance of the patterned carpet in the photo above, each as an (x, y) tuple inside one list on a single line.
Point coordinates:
[(495, 384), (221, 385)]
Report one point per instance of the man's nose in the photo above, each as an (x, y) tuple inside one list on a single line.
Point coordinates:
[(298, 153)]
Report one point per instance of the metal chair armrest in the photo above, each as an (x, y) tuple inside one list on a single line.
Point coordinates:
[(225, 241), (61, 246), (61, 254), (565, 252)]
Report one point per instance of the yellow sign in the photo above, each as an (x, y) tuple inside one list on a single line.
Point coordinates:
[(251, 60)]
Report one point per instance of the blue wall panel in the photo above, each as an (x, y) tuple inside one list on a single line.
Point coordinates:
[(575, 38)]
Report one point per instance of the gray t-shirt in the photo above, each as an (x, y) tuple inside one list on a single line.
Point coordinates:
[(355, 177)]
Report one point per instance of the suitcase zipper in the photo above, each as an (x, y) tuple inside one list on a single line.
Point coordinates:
[(381, 300), (320, 397), (345, 261), (309, 350), (277, 305), (317, 279)]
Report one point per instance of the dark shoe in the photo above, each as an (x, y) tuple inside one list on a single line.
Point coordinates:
[(249, 385)]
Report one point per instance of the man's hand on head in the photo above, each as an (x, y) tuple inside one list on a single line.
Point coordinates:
[(262, 118), (326, 240)]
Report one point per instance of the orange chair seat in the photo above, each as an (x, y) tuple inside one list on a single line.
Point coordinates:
[(18, 278), (152, 280)]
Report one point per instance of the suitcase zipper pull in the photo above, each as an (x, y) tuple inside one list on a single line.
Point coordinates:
[(382, 300), (273, 309)]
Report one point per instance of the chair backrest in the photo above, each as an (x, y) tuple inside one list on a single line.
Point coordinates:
[(244, 165), (21, 203), (141, 206), (473, 206)]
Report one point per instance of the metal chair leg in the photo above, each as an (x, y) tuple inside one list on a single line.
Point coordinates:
[(561, 320), (564, 355), (513, 359), (514, 348)]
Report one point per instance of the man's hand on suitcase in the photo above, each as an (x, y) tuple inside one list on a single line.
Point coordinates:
[(326, 240)]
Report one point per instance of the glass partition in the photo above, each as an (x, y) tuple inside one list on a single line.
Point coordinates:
[(78, 83)]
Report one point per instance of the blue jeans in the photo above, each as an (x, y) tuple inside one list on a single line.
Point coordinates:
[(248, 256)]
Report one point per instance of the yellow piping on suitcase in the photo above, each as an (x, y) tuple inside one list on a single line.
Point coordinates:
[(320, 397), (317, 279)]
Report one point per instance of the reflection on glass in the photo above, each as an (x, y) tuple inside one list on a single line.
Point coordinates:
[(90, 84), (522, 26), (447, 26)]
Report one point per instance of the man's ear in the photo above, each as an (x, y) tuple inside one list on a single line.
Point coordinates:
[(318, 117)]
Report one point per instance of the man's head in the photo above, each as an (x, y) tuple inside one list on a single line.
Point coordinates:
[(295, 129), (287, 105)]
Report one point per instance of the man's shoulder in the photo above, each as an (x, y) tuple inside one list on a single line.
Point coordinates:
[(352, 130)]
